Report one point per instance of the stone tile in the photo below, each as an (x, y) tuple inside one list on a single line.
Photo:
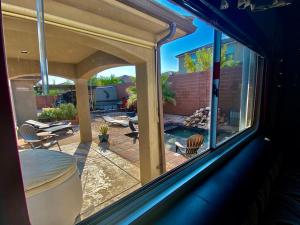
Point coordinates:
[(110, 172), (103, 180), (118, 197)]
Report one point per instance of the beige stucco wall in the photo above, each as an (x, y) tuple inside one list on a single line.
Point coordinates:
[(24, 100)]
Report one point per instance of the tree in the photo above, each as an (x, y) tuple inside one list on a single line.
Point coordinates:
[(189, 63), (132, 96), (167, 94), (104, 81), (204, 59), (227, 60)]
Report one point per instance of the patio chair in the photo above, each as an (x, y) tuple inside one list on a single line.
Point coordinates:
[(41, 140), (193, 143), (111, 120), (132, 127), (134, 132), (134, 119), (51, 128)]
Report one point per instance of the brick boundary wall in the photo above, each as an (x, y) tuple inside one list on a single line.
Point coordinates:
[(45, 101), (193, 91)]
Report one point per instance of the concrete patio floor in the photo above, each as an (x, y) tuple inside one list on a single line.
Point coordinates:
[(108, 171), (105, 176)]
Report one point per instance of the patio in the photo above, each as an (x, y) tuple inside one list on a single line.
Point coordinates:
[(78, 47), (108, 171)]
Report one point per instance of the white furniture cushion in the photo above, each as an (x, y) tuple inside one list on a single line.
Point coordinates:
[(52, 187)]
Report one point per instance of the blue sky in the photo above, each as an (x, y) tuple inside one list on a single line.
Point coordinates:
[(202, 36)]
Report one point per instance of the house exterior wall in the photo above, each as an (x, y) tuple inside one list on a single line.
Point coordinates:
[(234, 48)]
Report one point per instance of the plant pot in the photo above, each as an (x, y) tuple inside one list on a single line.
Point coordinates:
[(103, 137)]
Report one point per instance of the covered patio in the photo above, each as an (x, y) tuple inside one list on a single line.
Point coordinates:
[(87, 37), (108, 172)]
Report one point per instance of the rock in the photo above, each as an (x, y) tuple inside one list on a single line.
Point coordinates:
[(201, 117)]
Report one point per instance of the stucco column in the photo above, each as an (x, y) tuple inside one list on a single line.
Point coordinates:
[(24, 100), (83, 107), (149, 147)]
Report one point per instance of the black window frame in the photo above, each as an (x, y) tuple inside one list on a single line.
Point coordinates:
[(138, 203)]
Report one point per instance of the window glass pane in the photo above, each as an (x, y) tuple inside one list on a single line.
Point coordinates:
[(101, 58), (186, 83), (98, 125), (237, 88)]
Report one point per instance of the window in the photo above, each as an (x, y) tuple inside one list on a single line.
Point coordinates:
[(105, 96), (237, 89), (186, 83)]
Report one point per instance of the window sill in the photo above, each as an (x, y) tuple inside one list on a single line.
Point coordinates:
[(136, 204)]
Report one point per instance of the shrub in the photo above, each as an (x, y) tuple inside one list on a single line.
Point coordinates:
[(64, 112), (50, 114), (68, 111), (103, 129)]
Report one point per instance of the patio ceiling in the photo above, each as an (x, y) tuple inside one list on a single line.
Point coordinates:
[(59, 49), (72, 27)]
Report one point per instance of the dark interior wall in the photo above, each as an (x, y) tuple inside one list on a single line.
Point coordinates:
[(284, 104)]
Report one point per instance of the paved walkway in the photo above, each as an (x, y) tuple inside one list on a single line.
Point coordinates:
[(105, 176)]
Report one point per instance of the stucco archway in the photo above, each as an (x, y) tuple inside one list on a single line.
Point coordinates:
[(82, 40)]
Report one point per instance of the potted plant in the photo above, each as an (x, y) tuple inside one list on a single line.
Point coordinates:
[(103, 136)]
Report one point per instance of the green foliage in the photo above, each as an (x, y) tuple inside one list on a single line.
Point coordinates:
[(68, 82), (64, 112), (68, 111), (53, 92), (189, 64), (227, 61), (167, 94), (50, 114), (104, 81), (103, 129), (132, 96), (204, 59)]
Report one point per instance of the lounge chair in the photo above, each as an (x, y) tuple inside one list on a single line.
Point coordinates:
[(40, 125), (193, 143), (111, 120), (51, 128), (134, 119), (37, 140)]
